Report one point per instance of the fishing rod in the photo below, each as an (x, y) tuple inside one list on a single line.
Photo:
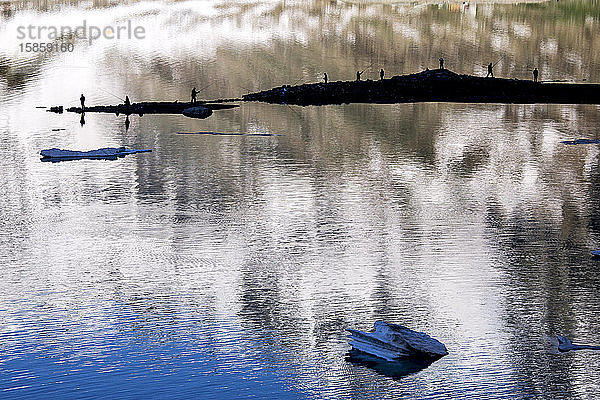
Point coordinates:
[(294, 84), (370, 65), (112, 94), (500, 59), (494, 64), (205, 86)]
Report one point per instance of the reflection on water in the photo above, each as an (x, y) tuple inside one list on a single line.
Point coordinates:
[(394, 370), (230, 265)]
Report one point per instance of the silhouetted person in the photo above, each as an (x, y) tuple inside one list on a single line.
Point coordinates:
[(441, 62), (358, 73), (127, 102), (194, 94), (381, 73), (127, 123), (535, 74), (325, 77), (82, 99), (490, 70), (82, 120)]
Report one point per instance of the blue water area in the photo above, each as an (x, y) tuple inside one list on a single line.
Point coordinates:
[(225, 266), (135, 371), (119, 365)]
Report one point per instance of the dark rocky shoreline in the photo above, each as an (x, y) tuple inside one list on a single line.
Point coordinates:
[(439, 85), (163, 107)]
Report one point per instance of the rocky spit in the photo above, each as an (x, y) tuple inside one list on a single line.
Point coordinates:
[(439, 85)]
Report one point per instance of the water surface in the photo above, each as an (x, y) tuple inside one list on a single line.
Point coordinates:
[(228, 266)]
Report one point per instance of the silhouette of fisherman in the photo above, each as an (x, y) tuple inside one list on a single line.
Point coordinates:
[(535, 74), (490, 70), (325, 77), (381, 74), (82, 99), (127, 102), (358, 73), (194, 94), (441, 62)]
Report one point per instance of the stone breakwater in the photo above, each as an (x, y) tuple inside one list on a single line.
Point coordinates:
[(440, 85)]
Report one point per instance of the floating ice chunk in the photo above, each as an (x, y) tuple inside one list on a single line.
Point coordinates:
[(581, 141), (565, 344), (395, 342), (104, 153)]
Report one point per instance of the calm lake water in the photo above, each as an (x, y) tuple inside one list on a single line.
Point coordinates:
[(229, 266)]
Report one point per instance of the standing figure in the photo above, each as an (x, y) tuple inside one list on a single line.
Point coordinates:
[(490, 70), (194, 94), (127, 102), (358, 73), (82, 99), (381, 73), (441, 62), (325, 77), (535, 74)]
